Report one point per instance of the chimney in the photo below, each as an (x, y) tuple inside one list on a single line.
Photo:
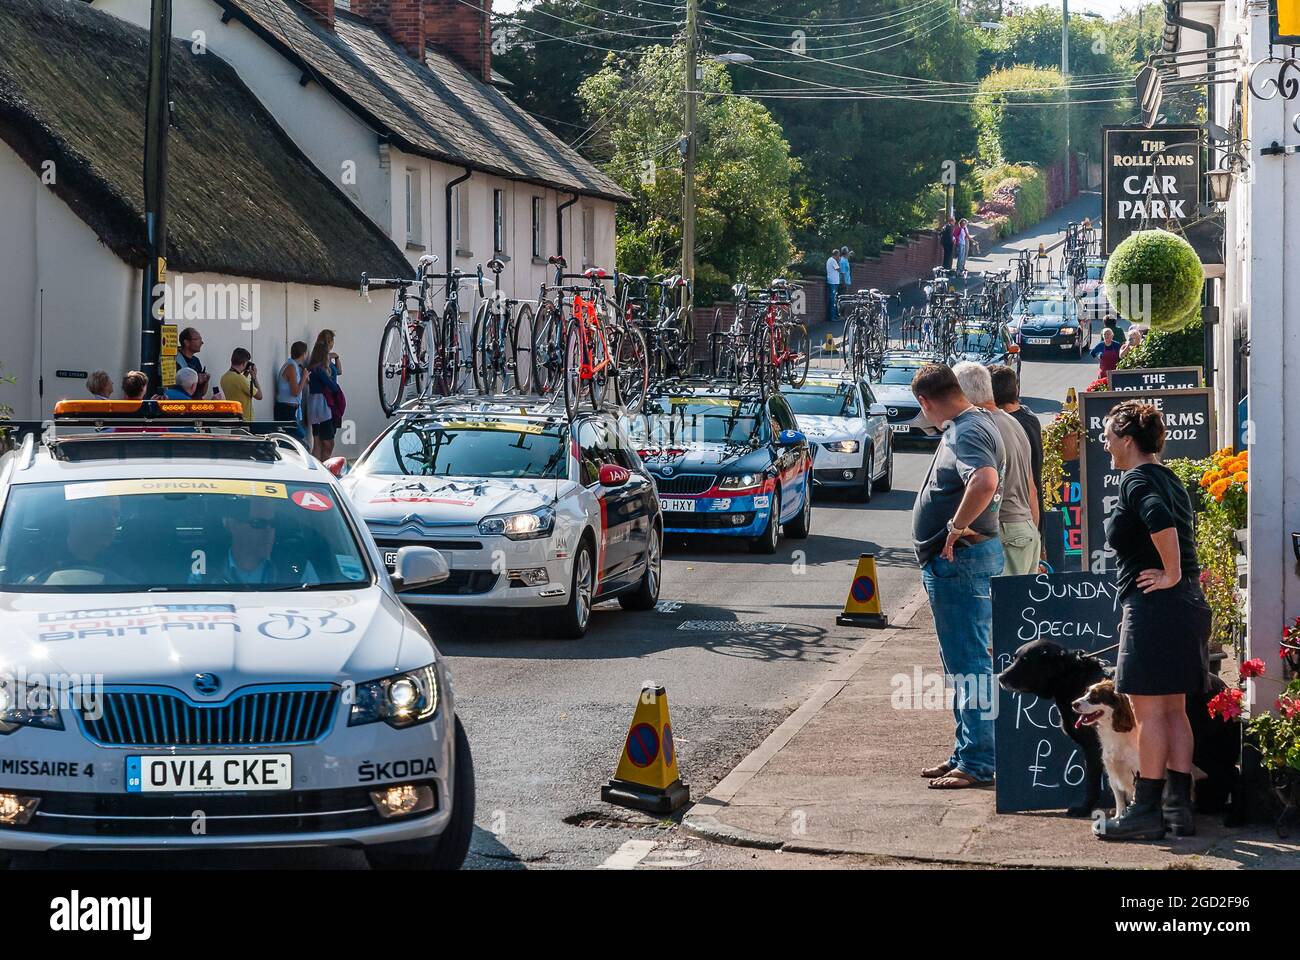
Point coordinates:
[(322, 10), (462, 29), (403, 20)]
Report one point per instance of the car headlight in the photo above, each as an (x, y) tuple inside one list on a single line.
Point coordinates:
[(402, 700), (741, 481), (842, 446), (27, 705), (519, 526)]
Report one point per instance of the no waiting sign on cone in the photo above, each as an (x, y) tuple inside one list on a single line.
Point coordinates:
[(862, 608), (647, 777)]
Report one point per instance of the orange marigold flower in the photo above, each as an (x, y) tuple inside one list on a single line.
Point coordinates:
[(1241, 476), (1209, 478), (1218, 488)]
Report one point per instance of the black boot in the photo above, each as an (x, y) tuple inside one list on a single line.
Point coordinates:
[(1178, 811), (1141, 821)]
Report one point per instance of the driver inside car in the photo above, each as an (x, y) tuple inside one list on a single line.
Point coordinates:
[(251, 523)]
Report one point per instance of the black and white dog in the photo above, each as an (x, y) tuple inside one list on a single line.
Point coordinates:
[(1050, 672)]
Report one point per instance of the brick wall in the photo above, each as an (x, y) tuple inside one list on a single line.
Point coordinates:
[(403, 20), (463, 31), (323, 9)]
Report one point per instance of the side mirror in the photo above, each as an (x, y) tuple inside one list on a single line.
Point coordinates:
[(878, 410), (791, 438), (419, 567), (337, 466), (612, 475)]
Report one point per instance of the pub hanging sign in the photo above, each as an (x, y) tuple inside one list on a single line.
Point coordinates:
[(1153, 179), (1284, 21)]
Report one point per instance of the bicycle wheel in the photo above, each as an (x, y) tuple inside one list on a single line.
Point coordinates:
[(855, 347), (548, 352), (422, 343), (575, 356), (798, 353), (632, 370), (681, 351), (449, 363), (717, 341), (760, 366), (480, 348), (521, 347), (393, 367)]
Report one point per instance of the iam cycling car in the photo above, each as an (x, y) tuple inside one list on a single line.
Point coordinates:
[(728, 461), (531, 508), (202, 648), (848, 431)]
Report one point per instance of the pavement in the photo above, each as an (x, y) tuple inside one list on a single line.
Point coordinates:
[(841, 777)]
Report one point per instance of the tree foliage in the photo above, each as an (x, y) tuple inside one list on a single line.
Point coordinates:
[(1017, 119), (743, 178)]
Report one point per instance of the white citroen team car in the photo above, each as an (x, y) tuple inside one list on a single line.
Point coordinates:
[(848, 432), (200, 646), (532, 510)]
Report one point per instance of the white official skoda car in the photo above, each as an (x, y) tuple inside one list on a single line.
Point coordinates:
[(531, 509), (200, 646), (848, 432)]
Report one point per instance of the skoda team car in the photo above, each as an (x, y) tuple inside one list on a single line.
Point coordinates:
[(201, 648), (1051, 321), (726, 461), (848, 432), (532, 510), (893, 389)]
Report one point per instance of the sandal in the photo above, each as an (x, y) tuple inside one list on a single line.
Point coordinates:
[(955, 780), (939, 770)]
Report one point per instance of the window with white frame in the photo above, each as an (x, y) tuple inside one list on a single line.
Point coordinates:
[(498, 221), (414, 227), (460, 220), (539, 238), (588, 237)]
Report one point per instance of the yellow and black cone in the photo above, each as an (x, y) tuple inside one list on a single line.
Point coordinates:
[(829, 345), (862, 608), (647, 777)]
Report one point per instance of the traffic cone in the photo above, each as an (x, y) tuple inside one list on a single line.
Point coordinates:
[(647, 777), (862, 608), (829, 345)]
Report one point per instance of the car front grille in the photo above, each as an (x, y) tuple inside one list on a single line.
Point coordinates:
[(301, 714), (137, 815), (901, 413), (706, 521), (688, 484), (386, 543)]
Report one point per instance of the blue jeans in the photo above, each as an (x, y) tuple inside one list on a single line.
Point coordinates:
[(832, 302), (961, 598)]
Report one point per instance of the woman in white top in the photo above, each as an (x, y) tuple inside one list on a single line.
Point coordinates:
[(289, 385)]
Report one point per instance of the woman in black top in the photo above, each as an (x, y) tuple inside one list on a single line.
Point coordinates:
[(1165, 628)]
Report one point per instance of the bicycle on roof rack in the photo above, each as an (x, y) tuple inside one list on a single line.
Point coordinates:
[(866, 331), (665, 325), (778, 343), (494, 335), (419, 350)]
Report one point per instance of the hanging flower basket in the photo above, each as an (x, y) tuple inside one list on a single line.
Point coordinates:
[(1154, 278)]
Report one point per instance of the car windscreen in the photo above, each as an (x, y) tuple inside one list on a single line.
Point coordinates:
[(898, 376), (177, 534), (1048, 309), (507, 449), (681, 420), (824, 400)]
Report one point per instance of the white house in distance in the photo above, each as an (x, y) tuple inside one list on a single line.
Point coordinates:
[(394, 101), (250, 217), (1256, 348)]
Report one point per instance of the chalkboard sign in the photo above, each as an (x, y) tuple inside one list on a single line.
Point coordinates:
[(1189, 432), (1156, 378), (1071, 510), (1038, 766)]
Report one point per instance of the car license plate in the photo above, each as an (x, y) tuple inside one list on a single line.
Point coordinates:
[(1039, 341), (677, 506), (900, 427), (210, 773), (390, 559)]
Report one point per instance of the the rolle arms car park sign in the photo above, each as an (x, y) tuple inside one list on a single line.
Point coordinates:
[(1153, 179)]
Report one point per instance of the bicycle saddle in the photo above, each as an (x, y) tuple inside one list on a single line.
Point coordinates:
[(594, 272), (495, 265), (557, 261), (635, 279), (780, 283)]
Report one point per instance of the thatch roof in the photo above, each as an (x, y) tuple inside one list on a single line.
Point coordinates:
[(242, 199), (436, 109)]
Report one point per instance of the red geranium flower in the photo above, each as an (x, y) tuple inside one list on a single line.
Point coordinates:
[(1226, 705), (1252, 668)]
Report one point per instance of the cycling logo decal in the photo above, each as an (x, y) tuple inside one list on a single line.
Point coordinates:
[(297, 623)]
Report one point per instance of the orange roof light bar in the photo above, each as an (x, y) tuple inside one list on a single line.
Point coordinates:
[(191, 409)]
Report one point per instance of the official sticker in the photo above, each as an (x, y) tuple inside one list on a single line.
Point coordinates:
[(533, 428), (309, 500), (166, 485)]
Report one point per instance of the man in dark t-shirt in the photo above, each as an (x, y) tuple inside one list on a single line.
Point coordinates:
[(1006, 394)]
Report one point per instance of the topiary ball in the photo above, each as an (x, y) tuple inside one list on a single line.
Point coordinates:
[(1154, 278)]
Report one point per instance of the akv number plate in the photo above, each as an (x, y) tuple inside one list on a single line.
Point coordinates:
[(210, 773)]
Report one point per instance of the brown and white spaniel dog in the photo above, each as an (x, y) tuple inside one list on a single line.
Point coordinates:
[(1109, 712)]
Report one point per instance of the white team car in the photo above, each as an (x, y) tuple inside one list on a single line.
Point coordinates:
[(893, 389), (531, 509), (848, 432), (200, 647)]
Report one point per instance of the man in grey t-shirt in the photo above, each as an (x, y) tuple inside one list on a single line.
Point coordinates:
[(955, 531), (1018, 515)]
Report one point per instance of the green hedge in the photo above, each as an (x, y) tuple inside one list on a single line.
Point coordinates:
[(1176, 348)]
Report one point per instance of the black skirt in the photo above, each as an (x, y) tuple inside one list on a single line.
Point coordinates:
[(1164, 642)]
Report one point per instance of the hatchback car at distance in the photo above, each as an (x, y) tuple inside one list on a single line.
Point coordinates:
[(848, 431), (1052, 322), (532, 509), (726, 461), (893, 389), (201, 648)]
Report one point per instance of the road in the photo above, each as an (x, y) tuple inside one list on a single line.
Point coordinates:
[(739, 641)]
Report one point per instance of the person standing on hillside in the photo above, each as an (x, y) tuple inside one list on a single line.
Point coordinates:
[(946, 240), (833, 280)]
